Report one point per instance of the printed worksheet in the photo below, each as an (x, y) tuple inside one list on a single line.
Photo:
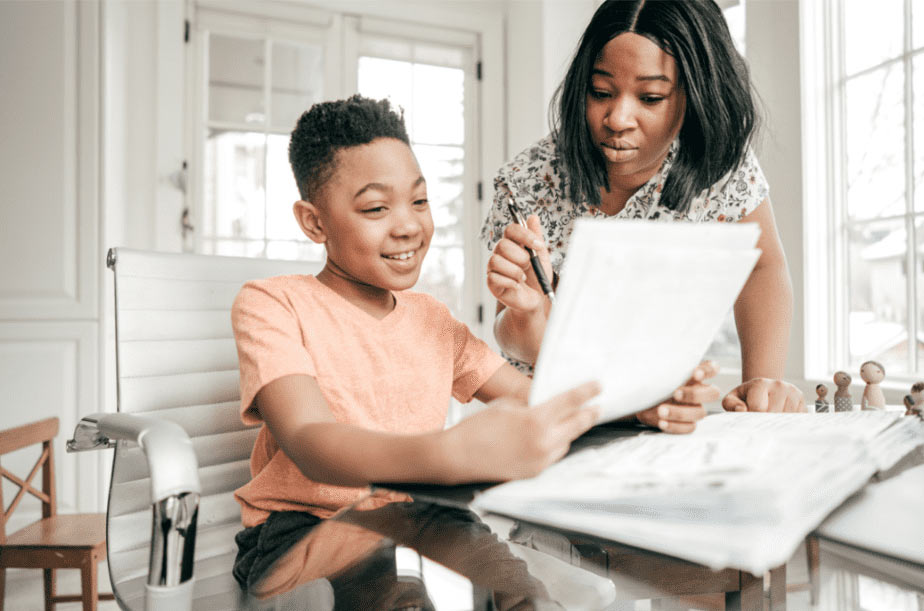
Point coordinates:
[(638, 304)]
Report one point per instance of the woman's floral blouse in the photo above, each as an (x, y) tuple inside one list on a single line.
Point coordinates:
[(535, 178)]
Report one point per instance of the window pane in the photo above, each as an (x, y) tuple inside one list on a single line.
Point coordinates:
[(236, 80), (442, 276), (917, 24), (919, 306), (233, 205), (874, 32), (281, 191), (918, 93), (878, 301), (432, 97), (438, 106), (298, 82), (384, 78), (875, 153), (442, 167)]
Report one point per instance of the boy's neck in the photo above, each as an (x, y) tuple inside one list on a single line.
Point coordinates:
[(373, 300)]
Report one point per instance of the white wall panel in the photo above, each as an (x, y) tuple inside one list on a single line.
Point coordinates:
[(48, 160), (49, 369)]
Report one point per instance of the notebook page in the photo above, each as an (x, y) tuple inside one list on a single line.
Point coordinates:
[(744, 502), (638, 318)]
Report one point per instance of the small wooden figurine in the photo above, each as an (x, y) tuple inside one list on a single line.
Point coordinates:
[(821, 403), (872, 373), (917, 400), (908, 400), (917, 394), (843, 402)]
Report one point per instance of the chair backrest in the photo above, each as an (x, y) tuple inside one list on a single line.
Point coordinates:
[(176, 359), (43, 432)]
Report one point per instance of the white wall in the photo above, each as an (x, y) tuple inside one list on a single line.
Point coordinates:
[(49, 232)]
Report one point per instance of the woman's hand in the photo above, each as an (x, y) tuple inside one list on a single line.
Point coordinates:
[(764, 395), (679, 415), (508, 440), (511, 278)]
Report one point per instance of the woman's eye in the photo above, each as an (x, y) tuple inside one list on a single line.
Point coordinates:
[(652, 99), (599, 95), (421, 202), (373, 210)]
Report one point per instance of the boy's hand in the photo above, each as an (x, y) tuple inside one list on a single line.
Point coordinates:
[(679, 415), (507, 441), (511, 278)]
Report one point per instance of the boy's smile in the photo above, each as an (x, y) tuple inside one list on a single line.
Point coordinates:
[(374, 220)]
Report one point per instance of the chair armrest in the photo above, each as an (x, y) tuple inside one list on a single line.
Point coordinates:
[(175, 493), (169, 452)]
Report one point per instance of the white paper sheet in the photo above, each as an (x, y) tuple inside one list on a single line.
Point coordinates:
[(638, 304)]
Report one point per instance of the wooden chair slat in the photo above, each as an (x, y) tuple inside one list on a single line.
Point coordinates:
[(28, 434), (25, 486)]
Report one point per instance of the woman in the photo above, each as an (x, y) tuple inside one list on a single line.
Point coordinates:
[(653, 120)]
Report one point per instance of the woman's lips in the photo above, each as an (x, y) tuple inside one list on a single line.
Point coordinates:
[(619, 151)]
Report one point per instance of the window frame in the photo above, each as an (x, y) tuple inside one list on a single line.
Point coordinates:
[(826, 228), (490, 124)]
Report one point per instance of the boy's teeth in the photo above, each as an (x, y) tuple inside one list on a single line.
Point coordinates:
[(402, 256)]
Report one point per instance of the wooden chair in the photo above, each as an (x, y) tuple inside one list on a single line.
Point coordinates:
[(180, 447), (57, 541)]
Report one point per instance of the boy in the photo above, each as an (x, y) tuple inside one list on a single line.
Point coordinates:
[(352, 374)]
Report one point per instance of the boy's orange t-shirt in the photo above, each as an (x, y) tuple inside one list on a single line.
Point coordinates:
[(394, 375)]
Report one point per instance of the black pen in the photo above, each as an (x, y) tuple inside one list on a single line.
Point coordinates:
[(533, 257)]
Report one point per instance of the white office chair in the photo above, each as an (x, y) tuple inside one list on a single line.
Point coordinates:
[(181, 449)]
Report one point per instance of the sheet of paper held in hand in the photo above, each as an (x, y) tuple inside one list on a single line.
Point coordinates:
[(638, 304)]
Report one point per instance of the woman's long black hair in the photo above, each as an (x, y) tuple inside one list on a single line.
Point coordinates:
[(721, 115)]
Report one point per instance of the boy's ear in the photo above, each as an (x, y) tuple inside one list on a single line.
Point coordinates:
[(309, 220)]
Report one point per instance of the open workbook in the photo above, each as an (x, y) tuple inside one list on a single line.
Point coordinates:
[(638, 304), (741, 492)]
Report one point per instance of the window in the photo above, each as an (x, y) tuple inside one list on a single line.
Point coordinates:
[(255, 82), (866, 143), (256, 74), (431, 82)]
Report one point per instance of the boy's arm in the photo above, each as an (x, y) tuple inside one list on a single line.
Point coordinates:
[(506, 382), (499, 443)]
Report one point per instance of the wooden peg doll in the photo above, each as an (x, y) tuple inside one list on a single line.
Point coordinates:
[(821, 403), (908, 400), (917, 395), (843, 402), (872, 373), (917, 399)]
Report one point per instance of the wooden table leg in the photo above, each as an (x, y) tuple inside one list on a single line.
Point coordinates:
[(778, 588), (750, 597), (813, 557)]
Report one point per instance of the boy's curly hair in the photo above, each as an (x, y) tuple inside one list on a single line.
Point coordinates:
[(328, 127)]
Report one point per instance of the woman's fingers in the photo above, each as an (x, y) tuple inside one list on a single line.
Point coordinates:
[(704, 371), (512, 252), (505, 266), (525, 237), (672, 412), (673, 417), (696, 393), (765, 395)]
